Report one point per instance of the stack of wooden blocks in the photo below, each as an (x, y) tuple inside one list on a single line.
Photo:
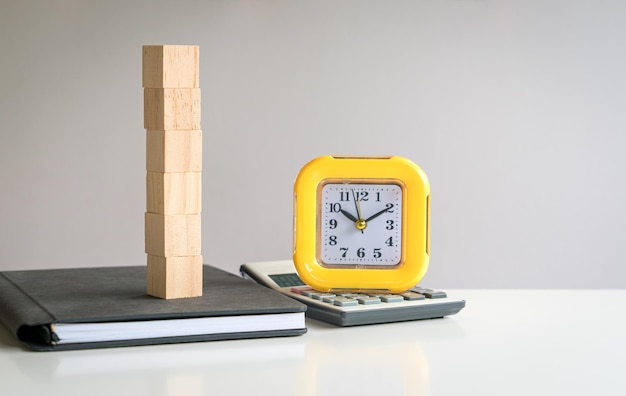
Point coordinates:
[(174, 170)]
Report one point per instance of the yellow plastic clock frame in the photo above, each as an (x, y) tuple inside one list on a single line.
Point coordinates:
[(415, 223)]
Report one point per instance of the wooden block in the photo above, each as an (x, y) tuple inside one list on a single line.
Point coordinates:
[(174, 151), (174, 277), (172, 108), (171, 66), (173, 235), (174, 193)]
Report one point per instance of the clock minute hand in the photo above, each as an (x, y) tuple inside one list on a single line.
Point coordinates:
[(375, 215)]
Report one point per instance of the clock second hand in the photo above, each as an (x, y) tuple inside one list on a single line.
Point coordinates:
[(360, 224)]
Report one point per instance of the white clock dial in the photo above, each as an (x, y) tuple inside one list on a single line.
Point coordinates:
[(360, 224)]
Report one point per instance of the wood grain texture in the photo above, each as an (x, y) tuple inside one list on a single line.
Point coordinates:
[(173, 235), (174, 193), (174, 151), (172, 108), (171, 66), (174, 277)]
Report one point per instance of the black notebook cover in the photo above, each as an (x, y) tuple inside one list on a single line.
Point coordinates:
[(31, 302)]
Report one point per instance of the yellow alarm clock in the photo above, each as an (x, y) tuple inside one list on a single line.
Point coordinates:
[(361, 223)]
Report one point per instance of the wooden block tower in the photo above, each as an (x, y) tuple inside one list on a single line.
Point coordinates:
[(174, 170)]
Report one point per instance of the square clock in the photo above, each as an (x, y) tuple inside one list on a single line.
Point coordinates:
[(361, 223)]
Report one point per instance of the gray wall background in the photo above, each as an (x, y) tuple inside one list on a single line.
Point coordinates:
[(515, 109)]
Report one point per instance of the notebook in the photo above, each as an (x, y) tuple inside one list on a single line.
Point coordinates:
[(80, 308)]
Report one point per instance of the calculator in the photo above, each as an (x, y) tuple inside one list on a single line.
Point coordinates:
[(352, 308)]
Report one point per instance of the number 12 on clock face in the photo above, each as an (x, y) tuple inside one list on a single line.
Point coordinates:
[(360, 224)]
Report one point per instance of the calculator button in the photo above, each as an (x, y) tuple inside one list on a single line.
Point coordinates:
[(320, 296), (345, 302), (391, 298), (429, 293), (412, 296), (368, 300), (300, 289), (435, 294), (348, 295)]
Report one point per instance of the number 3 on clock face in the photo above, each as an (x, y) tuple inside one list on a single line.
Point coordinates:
[(361, 223)]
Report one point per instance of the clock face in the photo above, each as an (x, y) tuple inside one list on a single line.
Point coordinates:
[(359, 224)]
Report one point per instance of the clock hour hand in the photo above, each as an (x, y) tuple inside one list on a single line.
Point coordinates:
[(348, 215), (375, 215)]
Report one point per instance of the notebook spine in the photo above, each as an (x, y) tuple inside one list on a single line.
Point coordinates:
[(18, 310)]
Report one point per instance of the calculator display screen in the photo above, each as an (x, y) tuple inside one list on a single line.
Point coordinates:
[(286, 280)]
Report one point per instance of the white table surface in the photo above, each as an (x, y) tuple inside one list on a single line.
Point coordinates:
[(504, 342)]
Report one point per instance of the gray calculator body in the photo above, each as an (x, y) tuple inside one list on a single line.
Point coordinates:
[(351, 309)]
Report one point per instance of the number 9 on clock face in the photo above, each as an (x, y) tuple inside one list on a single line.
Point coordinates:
[(361, 223)]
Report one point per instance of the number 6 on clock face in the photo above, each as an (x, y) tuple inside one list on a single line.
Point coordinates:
[(361, 223)]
